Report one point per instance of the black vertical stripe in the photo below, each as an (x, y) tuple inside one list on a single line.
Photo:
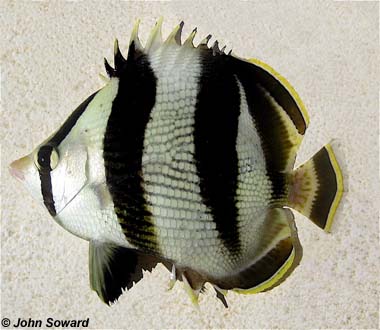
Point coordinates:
[(215, 134), (327, 188), (44, 169), (47, 192), (123, 149), (46, 149)]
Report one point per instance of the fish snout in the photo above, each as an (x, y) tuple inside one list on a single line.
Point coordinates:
[(19, 167)]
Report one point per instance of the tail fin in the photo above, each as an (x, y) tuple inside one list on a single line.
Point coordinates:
[(316, 188)]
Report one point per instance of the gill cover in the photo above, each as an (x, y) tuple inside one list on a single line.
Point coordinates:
[(70, 176)]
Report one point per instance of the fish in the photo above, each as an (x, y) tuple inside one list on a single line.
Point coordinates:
[(185, 158)]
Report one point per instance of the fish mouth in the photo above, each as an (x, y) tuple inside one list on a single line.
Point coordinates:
[(19, 167)]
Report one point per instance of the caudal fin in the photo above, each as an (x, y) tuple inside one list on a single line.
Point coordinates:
[(316, 188)]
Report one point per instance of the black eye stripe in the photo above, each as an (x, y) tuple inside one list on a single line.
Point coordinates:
[(44, 168), (47, 191)]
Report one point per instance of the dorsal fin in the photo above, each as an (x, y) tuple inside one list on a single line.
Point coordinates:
[(155, 43), (278, 113), (296, 111)]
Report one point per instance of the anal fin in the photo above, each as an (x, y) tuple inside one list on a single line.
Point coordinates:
[(114, 268), (275, 262)]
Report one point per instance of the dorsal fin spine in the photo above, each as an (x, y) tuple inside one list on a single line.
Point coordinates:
[(205, 41), (110, 70), (155, 38), (190, 39), (135, 36), (155, 42), (119, 59), (171, 38)]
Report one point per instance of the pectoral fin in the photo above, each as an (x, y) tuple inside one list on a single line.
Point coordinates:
[(114, 268)]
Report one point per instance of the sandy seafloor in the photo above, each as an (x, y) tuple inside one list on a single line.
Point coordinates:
[(51, 54)]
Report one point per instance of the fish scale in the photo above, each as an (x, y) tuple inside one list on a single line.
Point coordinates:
[(92, 222)]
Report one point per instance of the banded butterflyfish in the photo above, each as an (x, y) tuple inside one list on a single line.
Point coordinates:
[(186, 158)]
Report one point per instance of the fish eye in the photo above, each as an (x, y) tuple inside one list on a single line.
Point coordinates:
[(47, 158)]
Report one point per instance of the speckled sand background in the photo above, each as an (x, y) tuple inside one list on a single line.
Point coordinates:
[(51, 54)]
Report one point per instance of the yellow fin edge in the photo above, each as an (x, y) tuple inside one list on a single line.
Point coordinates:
[(339, 191), (287, 85), (273, 280)]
